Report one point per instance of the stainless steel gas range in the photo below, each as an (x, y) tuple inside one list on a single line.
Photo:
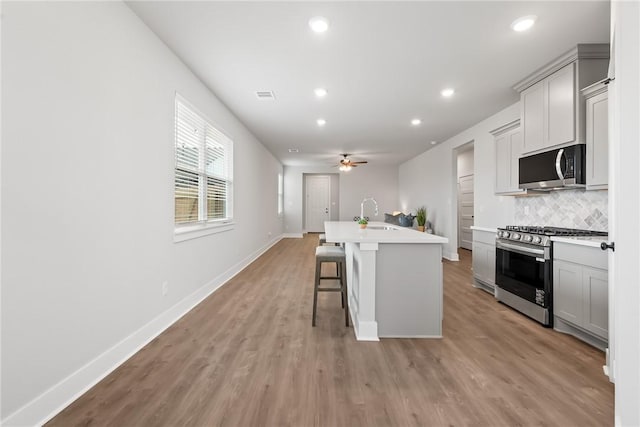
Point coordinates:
[(524, 268)]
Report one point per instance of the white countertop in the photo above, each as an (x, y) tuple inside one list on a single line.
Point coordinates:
[(350, 231), (593, 241), (487, 229)]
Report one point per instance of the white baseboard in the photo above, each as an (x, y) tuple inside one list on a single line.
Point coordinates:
[(364, 331), (451, 256), (292, 236), (55, 399)]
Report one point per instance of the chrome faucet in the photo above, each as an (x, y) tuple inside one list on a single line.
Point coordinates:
[(362, 206)]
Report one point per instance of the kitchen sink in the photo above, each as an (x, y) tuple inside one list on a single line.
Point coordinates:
[(380, 227)]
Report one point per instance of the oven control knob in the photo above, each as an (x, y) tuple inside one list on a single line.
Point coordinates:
[(527, 238), (537, 239), (515, 236), (506, 234)]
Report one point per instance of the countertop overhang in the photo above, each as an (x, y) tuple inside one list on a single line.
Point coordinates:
[(592, 241), (350, 231)]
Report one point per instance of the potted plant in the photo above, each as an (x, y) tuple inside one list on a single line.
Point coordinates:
[(421, 217), (363, 222)]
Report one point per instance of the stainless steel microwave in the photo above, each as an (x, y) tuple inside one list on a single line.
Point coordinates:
[(561, 168)]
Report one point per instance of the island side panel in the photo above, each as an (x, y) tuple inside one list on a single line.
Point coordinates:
[(361, 277), (409, 290)]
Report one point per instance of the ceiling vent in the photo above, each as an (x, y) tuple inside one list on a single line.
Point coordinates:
[(266, 95)]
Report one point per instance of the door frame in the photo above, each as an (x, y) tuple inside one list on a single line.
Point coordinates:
[(459, 210), (454, 196)]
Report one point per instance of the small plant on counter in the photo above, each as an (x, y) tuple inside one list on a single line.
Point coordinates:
[(421, 217), (363, 222)]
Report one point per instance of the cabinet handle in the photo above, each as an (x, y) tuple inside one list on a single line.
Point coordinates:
[(604, 246), (558, 167)]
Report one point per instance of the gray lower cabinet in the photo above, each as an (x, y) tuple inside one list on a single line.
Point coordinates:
[(484, 260), (580, 293)]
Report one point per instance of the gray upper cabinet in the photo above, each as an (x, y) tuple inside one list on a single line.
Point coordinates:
[(561, 107), (508, 144), (552, 107), (532, 107), (597, 119)]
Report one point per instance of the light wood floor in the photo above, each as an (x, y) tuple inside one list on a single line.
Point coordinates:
[(248, 356)]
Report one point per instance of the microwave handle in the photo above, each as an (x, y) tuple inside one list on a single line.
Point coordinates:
[(558, 168)]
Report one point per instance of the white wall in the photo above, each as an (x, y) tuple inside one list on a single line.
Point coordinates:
[(430, 179), (380, 182), (87, 172)]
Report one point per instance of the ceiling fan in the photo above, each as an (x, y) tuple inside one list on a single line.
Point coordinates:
[(346, 163)]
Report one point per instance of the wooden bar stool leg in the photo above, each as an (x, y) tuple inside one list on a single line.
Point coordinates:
[(339, 267), (345, 297), (316, 284)]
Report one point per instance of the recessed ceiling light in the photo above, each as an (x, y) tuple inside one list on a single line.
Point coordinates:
[(321, 122), (433, 142), (320, 92), (294, 150), (319, 24), (523, 23), (447, 92), (416, 122)]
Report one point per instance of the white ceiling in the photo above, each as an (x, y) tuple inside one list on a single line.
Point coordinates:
[(383, 63)]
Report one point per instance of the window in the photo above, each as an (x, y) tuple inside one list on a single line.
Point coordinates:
[(280, 195), (203, 170)]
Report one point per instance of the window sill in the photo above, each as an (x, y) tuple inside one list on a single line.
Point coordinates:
[(182, 234)]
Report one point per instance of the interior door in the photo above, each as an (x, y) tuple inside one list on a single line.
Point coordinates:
[(624, 211), (318, 202), (465, 211)]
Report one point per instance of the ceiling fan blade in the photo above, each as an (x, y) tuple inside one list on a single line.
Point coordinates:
[(360, 163)]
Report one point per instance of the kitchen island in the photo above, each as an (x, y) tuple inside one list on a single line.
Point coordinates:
[(394, 279)]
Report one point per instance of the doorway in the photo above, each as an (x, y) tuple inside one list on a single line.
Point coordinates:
[(464, 179), (465, 211), (317, 202)]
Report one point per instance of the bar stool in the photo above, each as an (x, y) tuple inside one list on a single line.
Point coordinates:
[(331, 254), (322, 239)]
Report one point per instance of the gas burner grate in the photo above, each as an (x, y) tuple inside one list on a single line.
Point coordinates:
[(553, 231)]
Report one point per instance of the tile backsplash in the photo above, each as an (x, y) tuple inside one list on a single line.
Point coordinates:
[(582, 209)]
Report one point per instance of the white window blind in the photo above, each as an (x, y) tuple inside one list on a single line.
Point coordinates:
[(203, 169)]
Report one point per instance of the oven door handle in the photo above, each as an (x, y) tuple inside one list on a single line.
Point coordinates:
[(521, 249)]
